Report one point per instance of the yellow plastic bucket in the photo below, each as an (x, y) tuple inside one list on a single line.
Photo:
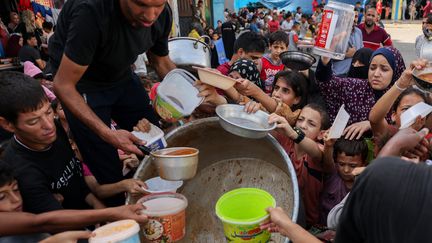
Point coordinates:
[(241, 212)]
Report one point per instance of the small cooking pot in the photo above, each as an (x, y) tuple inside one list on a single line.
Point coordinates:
[(185, 51), (174, 164)]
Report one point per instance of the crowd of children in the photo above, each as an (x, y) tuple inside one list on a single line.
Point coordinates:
[(377, 90)]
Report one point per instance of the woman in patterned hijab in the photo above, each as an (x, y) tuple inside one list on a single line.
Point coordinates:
[(360, 95), (246, 69)]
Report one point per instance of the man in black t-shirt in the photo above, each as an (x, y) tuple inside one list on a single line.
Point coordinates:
[(29, 51), (92, 50), (40, 152)]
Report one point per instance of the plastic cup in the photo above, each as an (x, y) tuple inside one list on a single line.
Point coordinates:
[(123, 231), (159, 185), (166, 217), (241, 212)]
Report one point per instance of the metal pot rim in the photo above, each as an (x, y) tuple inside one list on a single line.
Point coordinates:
[(188, 38), (155, 155)]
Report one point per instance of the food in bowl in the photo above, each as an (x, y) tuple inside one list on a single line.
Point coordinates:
[(423, 78), (426, 77), (175, 164), (181, 152)]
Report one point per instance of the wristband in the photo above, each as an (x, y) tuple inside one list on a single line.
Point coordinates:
[(300, 133), (399, 88)]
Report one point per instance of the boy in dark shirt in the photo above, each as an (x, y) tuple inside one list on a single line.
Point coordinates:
[(248, 45), (40, 151)]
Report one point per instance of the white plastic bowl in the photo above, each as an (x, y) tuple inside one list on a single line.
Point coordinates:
[(159, 185), (215, 79), (154, 138)]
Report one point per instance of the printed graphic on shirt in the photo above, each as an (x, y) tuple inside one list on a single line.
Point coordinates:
[(73, 168)]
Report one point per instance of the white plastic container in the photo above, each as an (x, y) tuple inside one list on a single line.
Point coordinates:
[(177, 96), (123, 231), (409, 116), (335, 30), (166, 217), (159, 185), (154, 138)]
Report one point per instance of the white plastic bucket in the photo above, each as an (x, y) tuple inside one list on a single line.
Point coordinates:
[(123, 231), (167, 217), (335, 30)]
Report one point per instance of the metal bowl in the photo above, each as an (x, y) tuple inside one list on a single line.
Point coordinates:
[(296, 60), (235, 120), (175, 166), (421, 83)]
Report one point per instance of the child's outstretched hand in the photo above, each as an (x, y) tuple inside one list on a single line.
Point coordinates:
[(252, 107), (246, 87), (143, 125), (282, 125), (209, 93), (133, 186), (68, 237), (278, 221), (328, 142)]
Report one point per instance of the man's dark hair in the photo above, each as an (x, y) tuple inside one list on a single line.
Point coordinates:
[(305, 16), (351, 148), (19, 93), (287, 15), (298, 8), (279, 36), (358, 2), (28, 36), (6, 174), (325, 119), (47, 25), (429, 19), (250, 42)]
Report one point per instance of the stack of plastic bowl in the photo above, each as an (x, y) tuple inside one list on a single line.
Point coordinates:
[(154, 138)]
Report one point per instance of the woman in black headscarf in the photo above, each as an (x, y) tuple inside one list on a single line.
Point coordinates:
[(360, 63)]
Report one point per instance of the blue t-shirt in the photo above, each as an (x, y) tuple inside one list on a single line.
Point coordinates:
[(254, 28)]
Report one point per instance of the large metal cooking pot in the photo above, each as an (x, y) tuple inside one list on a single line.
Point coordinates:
[(227, 162), (185, 51)]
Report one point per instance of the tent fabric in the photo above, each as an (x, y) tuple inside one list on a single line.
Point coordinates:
[(288, 5)]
